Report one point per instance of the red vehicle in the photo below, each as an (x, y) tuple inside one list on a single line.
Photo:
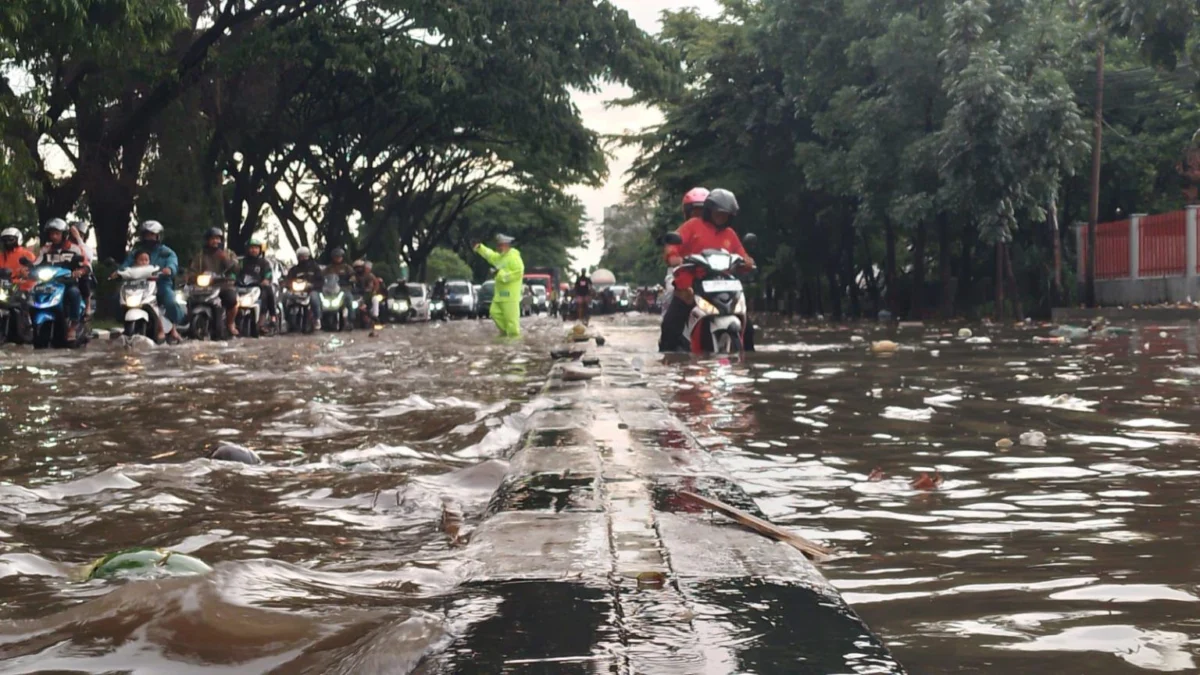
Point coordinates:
[(718, 320)]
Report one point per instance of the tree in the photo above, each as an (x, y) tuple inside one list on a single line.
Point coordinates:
[(443, 263)]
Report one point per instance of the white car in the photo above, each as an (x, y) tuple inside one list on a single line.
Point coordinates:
[(541, 301)]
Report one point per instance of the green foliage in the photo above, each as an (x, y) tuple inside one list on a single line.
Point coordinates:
[(446, 264), (889, 151)]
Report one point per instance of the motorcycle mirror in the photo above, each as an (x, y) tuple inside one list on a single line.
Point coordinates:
[(26, 262), (749, 240), (671, 239)]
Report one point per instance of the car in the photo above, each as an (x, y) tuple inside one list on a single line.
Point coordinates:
[(460, 299), (418, 301), (483, 303), (541, 302)]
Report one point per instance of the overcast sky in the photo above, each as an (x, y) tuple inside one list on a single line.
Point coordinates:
[(646, 13)]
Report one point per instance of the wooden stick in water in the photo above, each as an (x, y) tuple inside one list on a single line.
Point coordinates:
[(813, 550)]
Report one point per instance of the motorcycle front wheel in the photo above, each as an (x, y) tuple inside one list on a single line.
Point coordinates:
[(135, 328), (199, 327)]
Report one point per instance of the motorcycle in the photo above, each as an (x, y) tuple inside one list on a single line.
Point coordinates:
[(398, 306), (48, 311), (14, 321), (139, 297), (205, 315), (335, 306), (249, 308), (297, 306), (717, 323)]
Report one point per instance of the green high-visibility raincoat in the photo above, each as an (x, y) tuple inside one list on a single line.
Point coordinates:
[(510, 276)]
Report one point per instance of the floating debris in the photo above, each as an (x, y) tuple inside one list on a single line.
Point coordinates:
[(927, 482), (144, 562), (884, 347), (1004, 443), (1034, 439), (964, 332)]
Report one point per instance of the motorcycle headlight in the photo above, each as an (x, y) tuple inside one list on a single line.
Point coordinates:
[(248, 301), (706, 306), (3, 295), (439, 304), (181, 297), (204, 280), (299, 285), (719, 262), (46, 273)]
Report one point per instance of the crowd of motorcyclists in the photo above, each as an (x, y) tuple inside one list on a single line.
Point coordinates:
[(46, 298)]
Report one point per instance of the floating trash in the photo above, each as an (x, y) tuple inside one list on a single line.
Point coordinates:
[(144, 563)]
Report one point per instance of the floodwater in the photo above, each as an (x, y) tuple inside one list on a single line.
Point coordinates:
[(1077, 555)]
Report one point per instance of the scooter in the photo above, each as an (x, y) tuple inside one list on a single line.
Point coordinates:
[(205, 315), (139, 297), (48, 310), (398, 306), (249, 308), (14, 319), (718, 320), (335, 306), (297, 306)]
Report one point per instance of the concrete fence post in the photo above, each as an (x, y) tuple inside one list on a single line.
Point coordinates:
[(1135, 245), (1080, 257), (1190, 241)]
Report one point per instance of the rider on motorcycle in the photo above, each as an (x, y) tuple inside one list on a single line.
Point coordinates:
[(255, 266), (368, 287), (78, 234), (150, 234), (711, 229), (11, 255), (215, 260), (309, 270), (337, 267), (60, 251)]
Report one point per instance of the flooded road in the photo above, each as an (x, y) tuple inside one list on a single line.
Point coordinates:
[(1072, 549)]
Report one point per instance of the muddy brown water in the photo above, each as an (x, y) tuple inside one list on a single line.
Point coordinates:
[(1076, 556)]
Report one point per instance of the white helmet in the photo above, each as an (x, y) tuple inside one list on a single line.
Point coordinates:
[(57, 224), (12, 232), (82, 227), (303, 252), (151, 226)]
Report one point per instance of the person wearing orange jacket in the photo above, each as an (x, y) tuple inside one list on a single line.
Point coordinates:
[(11, 254), (711, 229)]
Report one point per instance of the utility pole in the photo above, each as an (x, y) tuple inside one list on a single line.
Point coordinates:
[(1094, 205)]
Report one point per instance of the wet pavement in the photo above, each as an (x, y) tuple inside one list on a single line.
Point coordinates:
[(335, 556)]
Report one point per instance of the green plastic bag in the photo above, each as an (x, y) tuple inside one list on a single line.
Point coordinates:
[(145, 563)]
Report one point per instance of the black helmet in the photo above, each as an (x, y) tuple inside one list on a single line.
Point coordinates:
[(214, 232), (338, 252), (720, 200)]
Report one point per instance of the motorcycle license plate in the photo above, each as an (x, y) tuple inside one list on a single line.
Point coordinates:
[(722, 286)]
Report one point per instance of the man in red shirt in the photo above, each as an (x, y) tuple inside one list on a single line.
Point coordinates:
[(712, 229)]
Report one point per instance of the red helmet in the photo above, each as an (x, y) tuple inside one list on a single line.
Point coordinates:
[(694, 197)]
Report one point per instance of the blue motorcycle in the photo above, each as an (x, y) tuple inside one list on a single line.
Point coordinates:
[(47, 309)]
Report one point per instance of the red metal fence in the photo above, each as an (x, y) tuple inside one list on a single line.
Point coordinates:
[(1112, 249), (1162, 245)]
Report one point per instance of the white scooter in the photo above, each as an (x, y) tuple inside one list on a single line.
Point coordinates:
[(139, 297)]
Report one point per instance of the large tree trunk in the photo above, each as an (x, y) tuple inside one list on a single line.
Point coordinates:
[(946, 303), (965, 280), (1056, 242), (848, 270), (1013, 289), (998, 282), (918, 290), (870, 275), (835, 290), (889, 264)]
